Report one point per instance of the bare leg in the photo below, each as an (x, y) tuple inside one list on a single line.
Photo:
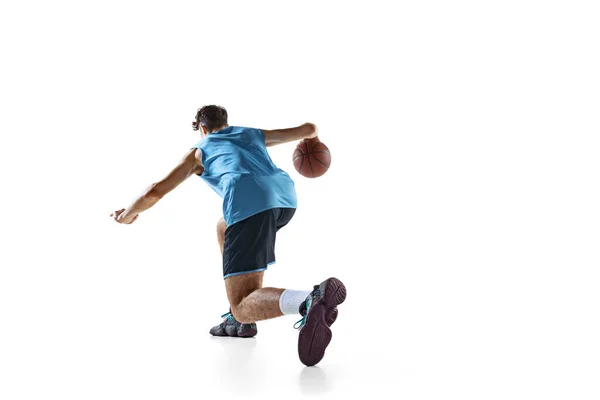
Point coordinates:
[(221, 227), (249, 301), (247, 298)]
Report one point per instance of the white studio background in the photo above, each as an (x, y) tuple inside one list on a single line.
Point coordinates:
[(461, 207)]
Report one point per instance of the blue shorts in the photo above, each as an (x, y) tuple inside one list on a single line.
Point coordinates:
[(250, 243)]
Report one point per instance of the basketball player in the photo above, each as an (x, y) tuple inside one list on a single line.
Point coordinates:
[(258, 200)]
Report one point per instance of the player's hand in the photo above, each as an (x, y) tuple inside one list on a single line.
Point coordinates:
[(121, 218), (315, 133), (311, 139)]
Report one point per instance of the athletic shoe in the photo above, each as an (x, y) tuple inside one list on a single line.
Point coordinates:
[(315, 334), (231, 327), (330, 316)]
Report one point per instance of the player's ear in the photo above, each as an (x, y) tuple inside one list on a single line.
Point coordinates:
[(204, 130)]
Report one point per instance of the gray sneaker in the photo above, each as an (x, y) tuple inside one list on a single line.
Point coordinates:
[(231, 327)]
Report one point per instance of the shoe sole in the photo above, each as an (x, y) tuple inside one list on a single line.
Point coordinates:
[(232, 333), (331, 316), (248, 333), (315, 335)]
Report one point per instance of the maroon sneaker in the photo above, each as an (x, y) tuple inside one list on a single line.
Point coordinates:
[(321, 312), (330, 316)]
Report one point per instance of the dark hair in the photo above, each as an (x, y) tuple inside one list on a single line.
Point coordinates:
[(212, 117)]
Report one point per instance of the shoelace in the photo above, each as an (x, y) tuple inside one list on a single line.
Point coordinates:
[(227, 316), (302, 321)]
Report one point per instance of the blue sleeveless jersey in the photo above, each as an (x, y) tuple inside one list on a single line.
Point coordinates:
[(237, 166)]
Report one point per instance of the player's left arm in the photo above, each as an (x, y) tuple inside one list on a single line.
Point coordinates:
[(191, 164)]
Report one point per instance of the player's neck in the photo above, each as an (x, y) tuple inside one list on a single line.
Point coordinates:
[(220, 128)]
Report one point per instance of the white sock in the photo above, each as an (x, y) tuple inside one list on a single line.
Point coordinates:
[(290, 300)]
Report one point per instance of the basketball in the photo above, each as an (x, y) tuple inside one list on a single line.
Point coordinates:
[(311, 158)]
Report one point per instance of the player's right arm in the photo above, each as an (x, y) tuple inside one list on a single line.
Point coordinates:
[(279, 136)]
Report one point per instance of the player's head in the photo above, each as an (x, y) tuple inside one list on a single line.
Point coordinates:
[(210, 118)]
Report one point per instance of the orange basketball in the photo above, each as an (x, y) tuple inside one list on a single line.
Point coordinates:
[(311, 158)]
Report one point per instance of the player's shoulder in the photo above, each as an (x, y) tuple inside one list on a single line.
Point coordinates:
[(246, 129), (254, 134), (195, 152)]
